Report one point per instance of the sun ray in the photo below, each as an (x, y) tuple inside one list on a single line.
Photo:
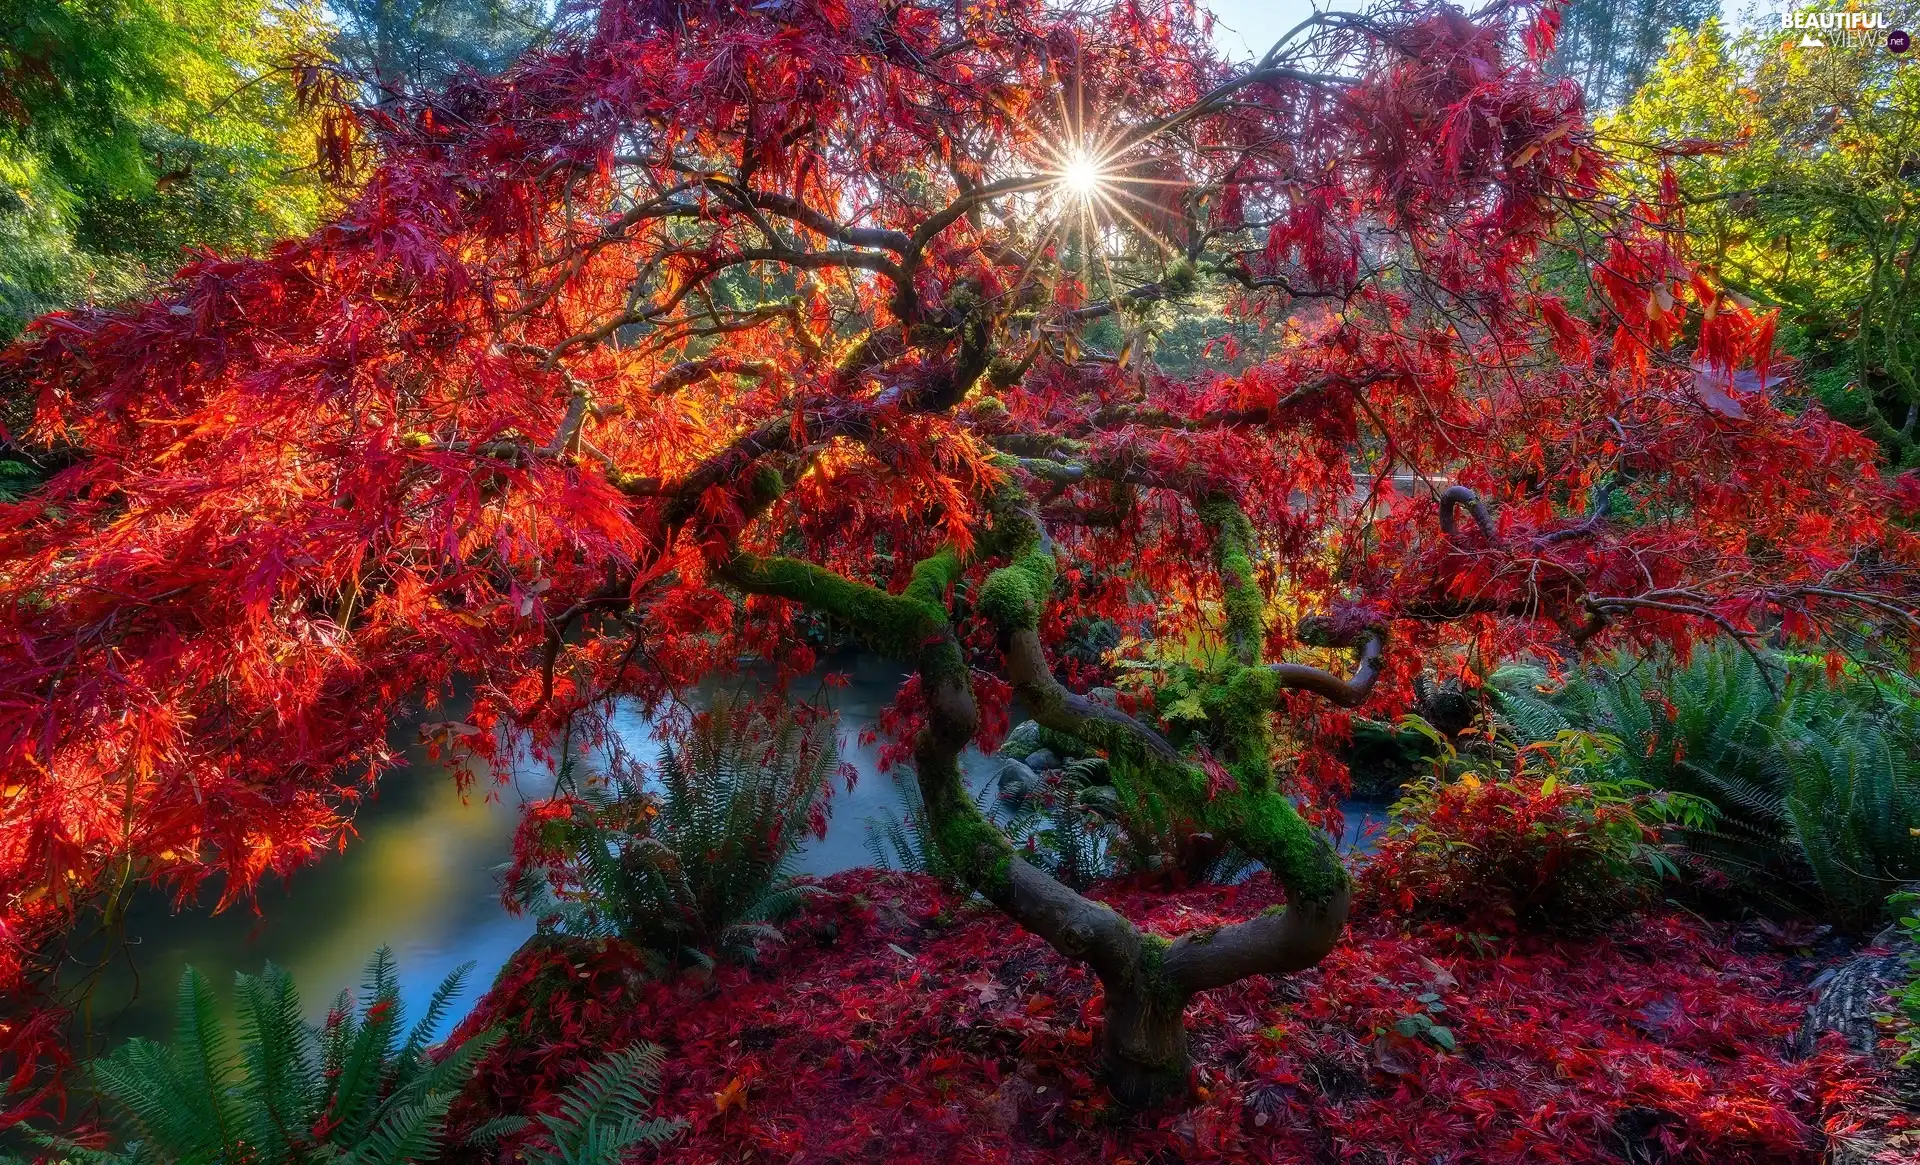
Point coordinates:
[(1107, 200), (1038, 253)]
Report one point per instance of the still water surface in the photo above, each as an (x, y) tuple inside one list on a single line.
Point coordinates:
[(423, 878)]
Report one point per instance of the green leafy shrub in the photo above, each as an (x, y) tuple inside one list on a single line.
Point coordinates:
[(359, 1089), (1905, 1018), (701, 868), (16, 478), (1815, 787), (1065, 826), (1852, 795)]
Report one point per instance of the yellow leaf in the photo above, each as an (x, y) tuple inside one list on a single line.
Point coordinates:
[(1187, 707)]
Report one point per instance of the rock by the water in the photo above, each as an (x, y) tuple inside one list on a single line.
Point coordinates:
[(1021, 742), (1015, 779), (1042, 759)]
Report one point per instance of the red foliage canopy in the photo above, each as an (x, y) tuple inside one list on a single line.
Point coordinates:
[(511, 418)]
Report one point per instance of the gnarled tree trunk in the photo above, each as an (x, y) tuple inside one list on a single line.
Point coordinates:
[(1148, 978)]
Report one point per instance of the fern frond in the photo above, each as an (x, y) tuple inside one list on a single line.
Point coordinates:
[(450, 1073), (403, 1133), (205, 1061), (71, 1152), (366, 1067), (491, 1133), (282, 1082), (619, 1083), (421, 1037), (602, 1115)]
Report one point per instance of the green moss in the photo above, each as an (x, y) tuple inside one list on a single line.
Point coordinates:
[(932, 576), (1154, 983), (941, 662), (1233, 542), (633, 483), (1013, 596), (1022, 742), (768, 485), (1064, 745), (976, 852), (971, 849), (1180, 278), (1153, 956), (895, 625), (1239, 711), (1012, 531), (1265, 825)]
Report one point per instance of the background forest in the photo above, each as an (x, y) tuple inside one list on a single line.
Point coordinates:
[(133, 133)]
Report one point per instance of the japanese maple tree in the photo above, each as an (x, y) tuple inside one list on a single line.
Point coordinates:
[(728, 313)]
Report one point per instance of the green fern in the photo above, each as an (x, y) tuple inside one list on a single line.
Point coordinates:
[(1814, 786), (16, 479), (704, 868), (1853, 798), (288, 1093), (598, 1120)]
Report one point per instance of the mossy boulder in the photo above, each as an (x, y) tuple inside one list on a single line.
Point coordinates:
[(1022, 742)]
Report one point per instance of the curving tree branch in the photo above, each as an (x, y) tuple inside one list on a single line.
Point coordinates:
[(1453, 498)]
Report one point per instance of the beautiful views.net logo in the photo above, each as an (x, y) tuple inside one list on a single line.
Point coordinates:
[(1819, 30)]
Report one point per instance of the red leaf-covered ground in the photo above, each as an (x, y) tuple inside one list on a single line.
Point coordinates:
[(901, 1025)]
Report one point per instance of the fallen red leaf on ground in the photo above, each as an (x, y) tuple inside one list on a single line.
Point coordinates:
[(1655, 1039)]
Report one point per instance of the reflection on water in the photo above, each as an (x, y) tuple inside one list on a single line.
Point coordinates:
[(422, 878), (419, 878), (872, 683)]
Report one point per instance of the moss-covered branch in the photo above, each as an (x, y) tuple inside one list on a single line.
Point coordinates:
[(1252, 814), (898, 626), (1148, 978), (912, 627), (1239, 588)]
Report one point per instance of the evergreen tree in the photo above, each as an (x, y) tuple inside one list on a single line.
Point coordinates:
[(1608, 45), (132, 130), (403, 48)]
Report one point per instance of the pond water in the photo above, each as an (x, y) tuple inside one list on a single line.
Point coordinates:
[(422, 877)]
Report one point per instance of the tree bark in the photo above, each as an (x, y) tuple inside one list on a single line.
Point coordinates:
[(1145, 1046), (1148, 979)]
